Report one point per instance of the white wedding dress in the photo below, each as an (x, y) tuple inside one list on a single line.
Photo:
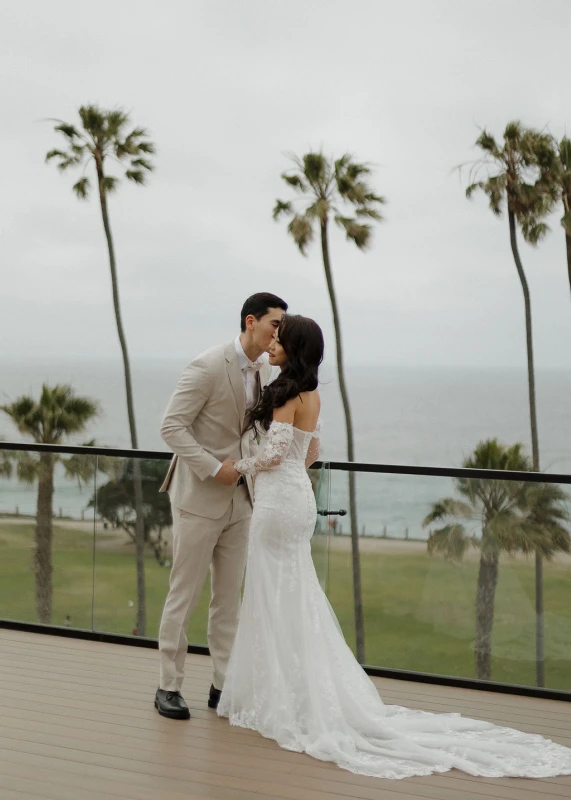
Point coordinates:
[(293, 678)]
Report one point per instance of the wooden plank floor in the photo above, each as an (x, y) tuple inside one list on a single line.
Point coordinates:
[(77, 723)]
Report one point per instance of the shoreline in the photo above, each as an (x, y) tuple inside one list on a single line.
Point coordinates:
[(116, 539)]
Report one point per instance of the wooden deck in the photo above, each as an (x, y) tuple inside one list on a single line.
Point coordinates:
[(77, 723)]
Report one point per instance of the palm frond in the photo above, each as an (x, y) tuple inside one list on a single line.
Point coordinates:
[(343, 222), (69, 161), (109, 184), (136, 175), (344, 185), (524, 174), (58, 413), (142, 163), (533, 231), (295, 181), (126, 148), (5, 464), (27, 468), (139, 133), (514, 133), (549, 499), (56, 154), (516, 516), (360, 235), (371, 197), (318, 210), (566, 222), (281, 207), (368, 211), (473, 187), (357, 193), (328, 185), (69, 131), (102, 135), (505, 530), (448, 508), (491, 454), (81, 468), (340, 165), (356, 232), (147, 147), (301, 230), (494, 187), (354, 170), (115, 122), (451, 541), (82, 188), (315, 168), (23, 413), (93, 120), (564, 153), (486, 142)]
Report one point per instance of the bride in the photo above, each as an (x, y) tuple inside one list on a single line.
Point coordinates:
[(291, 675)]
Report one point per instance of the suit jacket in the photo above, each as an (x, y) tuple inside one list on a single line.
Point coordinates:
[(203, 424)]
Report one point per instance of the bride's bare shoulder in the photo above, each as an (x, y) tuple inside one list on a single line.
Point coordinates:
[(307, 413), (311, 398)]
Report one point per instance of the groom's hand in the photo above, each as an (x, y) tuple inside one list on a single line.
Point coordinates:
[(227, 475)]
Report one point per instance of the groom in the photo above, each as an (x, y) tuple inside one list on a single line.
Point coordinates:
[(211, 503)]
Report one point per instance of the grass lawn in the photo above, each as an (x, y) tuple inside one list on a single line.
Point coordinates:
[(419, 615), (419, 611)]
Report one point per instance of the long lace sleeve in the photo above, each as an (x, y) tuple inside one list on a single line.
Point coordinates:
[(314, 446), (278, 441)]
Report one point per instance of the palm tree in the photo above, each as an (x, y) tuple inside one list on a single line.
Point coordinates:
[(517, 178), (58, 414), (104, 136), (326, 188), (513, 516), (565, 175), (558, 168)]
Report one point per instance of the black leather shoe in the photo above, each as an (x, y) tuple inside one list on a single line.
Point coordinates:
[(171, 705), (214, 697)]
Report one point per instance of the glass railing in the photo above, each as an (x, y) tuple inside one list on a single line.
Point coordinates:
[(448, 573), (86, 547), (448, 559), (47, 537)]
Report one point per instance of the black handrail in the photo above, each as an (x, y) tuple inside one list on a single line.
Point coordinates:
[(344, 466), (83, 450)]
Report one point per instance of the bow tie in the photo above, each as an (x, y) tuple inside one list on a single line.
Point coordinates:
[(253, 366)]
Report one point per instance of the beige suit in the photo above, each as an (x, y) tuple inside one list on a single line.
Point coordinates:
[(203, 425)]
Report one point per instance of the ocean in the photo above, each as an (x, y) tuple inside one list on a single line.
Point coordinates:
[(430, 416)]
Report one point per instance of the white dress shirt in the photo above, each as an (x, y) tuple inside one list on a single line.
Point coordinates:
[(250, 382)]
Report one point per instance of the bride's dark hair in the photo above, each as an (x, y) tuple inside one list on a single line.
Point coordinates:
[(302, 340)]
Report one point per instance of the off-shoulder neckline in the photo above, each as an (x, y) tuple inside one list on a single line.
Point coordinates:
[(291, 425)]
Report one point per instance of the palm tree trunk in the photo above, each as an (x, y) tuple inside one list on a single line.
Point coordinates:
[(138, 483), (539, 629), (485, 600), (43, 568), (529, 342), (357, 592), (568, 244)]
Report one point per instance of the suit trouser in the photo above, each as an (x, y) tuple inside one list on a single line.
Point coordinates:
[(199, 544)]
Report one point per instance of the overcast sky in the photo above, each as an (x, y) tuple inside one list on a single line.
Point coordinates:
[(226, 89)]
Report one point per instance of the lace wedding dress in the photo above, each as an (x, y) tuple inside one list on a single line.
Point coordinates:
[(293, 678)]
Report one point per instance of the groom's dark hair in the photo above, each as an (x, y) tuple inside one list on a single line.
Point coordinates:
[(258, 306)]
